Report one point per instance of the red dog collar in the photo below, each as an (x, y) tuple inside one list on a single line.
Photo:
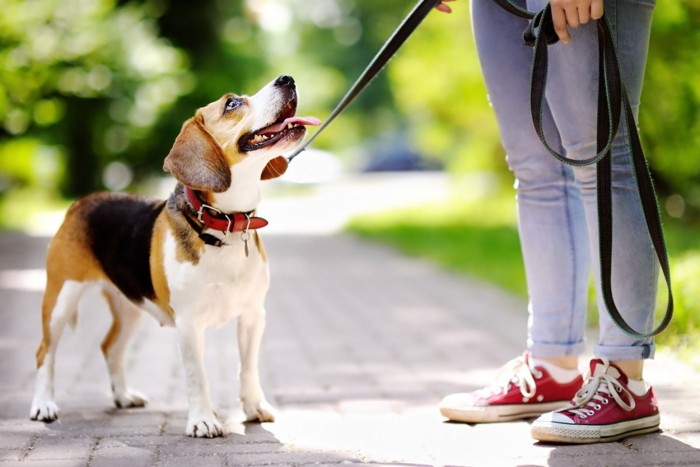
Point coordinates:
[(215, 219)]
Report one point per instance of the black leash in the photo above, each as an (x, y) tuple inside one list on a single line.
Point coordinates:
[(395, 41), (612, 101)]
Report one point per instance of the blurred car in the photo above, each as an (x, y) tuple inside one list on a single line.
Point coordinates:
[(396, 155)]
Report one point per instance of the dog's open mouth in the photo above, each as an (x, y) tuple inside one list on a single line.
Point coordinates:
[(286, 127)]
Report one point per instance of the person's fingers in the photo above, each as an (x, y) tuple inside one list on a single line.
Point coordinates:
[(584, 12), (571, 13), (560, 26)]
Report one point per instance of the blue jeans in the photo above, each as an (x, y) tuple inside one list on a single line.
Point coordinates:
[(557, 212)]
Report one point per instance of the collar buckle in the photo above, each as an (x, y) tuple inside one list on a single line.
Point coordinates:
[(200, 213)]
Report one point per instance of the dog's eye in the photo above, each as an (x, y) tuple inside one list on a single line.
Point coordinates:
[(232, 104)]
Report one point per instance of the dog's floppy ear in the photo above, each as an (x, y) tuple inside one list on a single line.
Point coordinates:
[(275, 168), (197, 160)]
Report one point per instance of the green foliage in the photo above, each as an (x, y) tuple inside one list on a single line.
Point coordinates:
[(686, 270), (670, 110), (438, 86), (85, 75), (30, 164)]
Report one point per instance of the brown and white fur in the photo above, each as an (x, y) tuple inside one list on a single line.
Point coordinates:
[(145, 255)]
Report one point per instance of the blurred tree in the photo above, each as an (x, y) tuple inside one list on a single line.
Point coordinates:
[(670, 110), (86, 76), (439, 87), (224, 52)]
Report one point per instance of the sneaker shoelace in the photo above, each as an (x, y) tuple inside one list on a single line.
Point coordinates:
[(518, 372), (598, 390)]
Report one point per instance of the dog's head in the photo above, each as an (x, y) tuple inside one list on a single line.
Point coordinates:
[(248, 130)]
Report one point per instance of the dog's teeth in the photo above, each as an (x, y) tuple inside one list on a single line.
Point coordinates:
[(259, 139)]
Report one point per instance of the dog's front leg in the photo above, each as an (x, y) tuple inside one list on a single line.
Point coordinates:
[(201, 420), (250, 331)]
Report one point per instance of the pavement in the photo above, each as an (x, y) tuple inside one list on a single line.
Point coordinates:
[(361, 345)]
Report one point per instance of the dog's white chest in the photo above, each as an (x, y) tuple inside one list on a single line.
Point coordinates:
[(222, 285)]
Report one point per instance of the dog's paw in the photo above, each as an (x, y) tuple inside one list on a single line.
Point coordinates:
[(44, 411), (129, 399), (205, 427), (260, 412)]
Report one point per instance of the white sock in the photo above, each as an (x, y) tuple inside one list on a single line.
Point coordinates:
[(639, 387), (559, 374)]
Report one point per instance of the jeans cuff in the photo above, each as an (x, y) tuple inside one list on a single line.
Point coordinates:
[(621, 353)]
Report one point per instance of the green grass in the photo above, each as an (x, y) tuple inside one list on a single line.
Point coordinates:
[(480, 239), (469, 238)]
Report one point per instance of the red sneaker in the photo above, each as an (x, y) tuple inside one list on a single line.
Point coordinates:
[(522, 390), (603, 410)]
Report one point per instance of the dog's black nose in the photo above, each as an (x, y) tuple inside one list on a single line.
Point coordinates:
[(284, 80)]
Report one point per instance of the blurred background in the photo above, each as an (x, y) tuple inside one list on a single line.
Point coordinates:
[(93, 93)]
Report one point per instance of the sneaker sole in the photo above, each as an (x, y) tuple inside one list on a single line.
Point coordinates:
[(500, 413), (587, 434)]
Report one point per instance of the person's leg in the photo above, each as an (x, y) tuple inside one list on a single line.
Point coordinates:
[(614, 403), (553, 237), (571, 95), (551, 219)]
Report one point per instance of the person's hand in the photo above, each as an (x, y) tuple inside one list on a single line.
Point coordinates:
[(442, 6), (572, 13)]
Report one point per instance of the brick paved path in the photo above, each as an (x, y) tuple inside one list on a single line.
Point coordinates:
[(361, 345)]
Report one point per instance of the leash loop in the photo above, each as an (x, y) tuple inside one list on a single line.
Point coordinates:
[(541, 24)]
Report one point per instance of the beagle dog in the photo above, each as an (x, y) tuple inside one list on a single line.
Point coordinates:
[(194, 261)]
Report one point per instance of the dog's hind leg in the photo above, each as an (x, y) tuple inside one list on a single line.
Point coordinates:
[(125, 320), (250, 331), (59, 306)]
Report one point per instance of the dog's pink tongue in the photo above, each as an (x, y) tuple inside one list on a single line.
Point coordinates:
[(306, 121)]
